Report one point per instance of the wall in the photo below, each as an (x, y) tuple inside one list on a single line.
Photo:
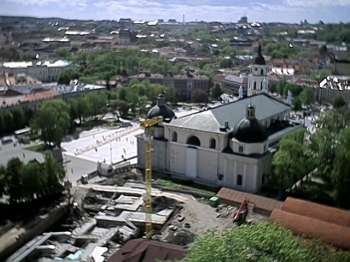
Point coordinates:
[(177, 158)]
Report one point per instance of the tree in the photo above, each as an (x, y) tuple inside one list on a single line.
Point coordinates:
[(55, 175), (53, 121), (226, 63), (297, 104), (339, 102), (122, 93), (3, 185), (13, 179), (67, 75), (216, 91), (62, 53), (307, 96), (289, 163), (8, 121), (340, 175), (199, 96), (121, 106), (94, 103), (264, 243), (35, 180), (18, 117)]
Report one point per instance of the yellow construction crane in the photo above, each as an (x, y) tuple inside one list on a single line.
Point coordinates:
[(147, 124)]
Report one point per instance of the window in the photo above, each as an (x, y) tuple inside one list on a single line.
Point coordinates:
[(240, 149), (254, 85), (193, 140), (212, 143), (262, 72), (174, 139), (239, 180)]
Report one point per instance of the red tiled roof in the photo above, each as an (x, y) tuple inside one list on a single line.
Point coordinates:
[(16, 100), (313, 228), (145, 250), (327, 214), (262, 203)]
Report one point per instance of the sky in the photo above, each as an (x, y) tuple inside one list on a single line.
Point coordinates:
[(289, 11)]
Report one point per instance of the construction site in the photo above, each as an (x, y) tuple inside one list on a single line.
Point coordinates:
[(129, 216), (99, 218)]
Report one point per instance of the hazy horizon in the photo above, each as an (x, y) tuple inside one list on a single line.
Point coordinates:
[(285, 11)]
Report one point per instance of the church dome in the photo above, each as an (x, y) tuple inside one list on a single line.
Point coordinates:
[(249, 129), (259, 60), (161, 109)]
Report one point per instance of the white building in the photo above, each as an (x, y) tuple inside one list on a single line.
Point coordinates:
[(230, 145), (42, 70)]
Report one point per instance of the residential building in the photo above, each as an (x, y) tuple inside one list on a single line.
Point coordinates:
[(229, 145), (231, 83), (43, 70), (184, 84)]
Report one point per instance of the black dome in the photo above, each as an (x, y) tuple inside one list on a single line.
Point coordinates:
[(161, 109), (259, 60), (249, 131)]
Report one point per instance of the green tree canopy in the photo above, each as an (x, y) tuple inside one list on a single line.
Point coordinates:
[(216, 91), (53, 121), (307, 96), (261, 243), (339, 102)]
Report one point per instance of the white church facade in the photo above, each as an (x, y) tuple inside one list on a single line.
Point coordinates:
[(230, 145)]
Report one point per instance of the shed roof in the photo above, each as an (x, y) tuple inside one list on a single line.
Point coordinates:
[(313, 228), (325, 213), (145, 250), (263, 203)]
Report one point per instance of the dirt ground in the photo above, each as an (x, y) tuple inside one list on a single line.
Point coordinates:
[(198, 218)]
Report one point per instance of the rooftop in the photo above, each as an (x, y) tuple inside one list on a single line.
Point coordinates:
[(58, 63), (211, 119), (145, 250)]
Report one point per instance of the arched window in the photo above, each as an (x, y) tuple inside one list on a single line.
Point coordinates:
[(262, 72), (174, 139), (193, 140), (212, 143)]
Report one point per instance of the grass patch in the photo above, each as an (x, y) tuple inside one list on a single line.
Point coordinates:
[(178, 185), (37, 148)]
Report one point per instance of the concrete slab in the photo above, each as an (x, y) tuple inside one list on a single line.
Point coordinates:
[(134, 217)]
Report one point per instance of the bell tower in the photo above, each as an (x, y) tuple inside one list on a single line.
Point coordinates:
[(258, 72)]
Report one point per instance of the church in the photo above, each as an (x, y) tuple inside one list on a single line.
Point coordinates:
[(230, 145)]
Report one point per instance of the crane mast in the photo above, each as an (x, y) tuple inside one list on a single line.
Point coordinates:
[(148, 124)]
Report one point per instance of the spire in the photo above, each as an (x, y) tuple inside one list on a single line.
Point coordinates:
[(259, 49)]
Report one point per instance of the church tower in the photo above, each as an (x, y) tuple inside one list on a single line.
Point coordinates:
[(258, 72)]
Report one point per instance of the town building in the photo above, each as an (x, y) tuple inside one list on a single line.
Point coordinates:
[(184, 84), (230, 145), (43, 70)]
